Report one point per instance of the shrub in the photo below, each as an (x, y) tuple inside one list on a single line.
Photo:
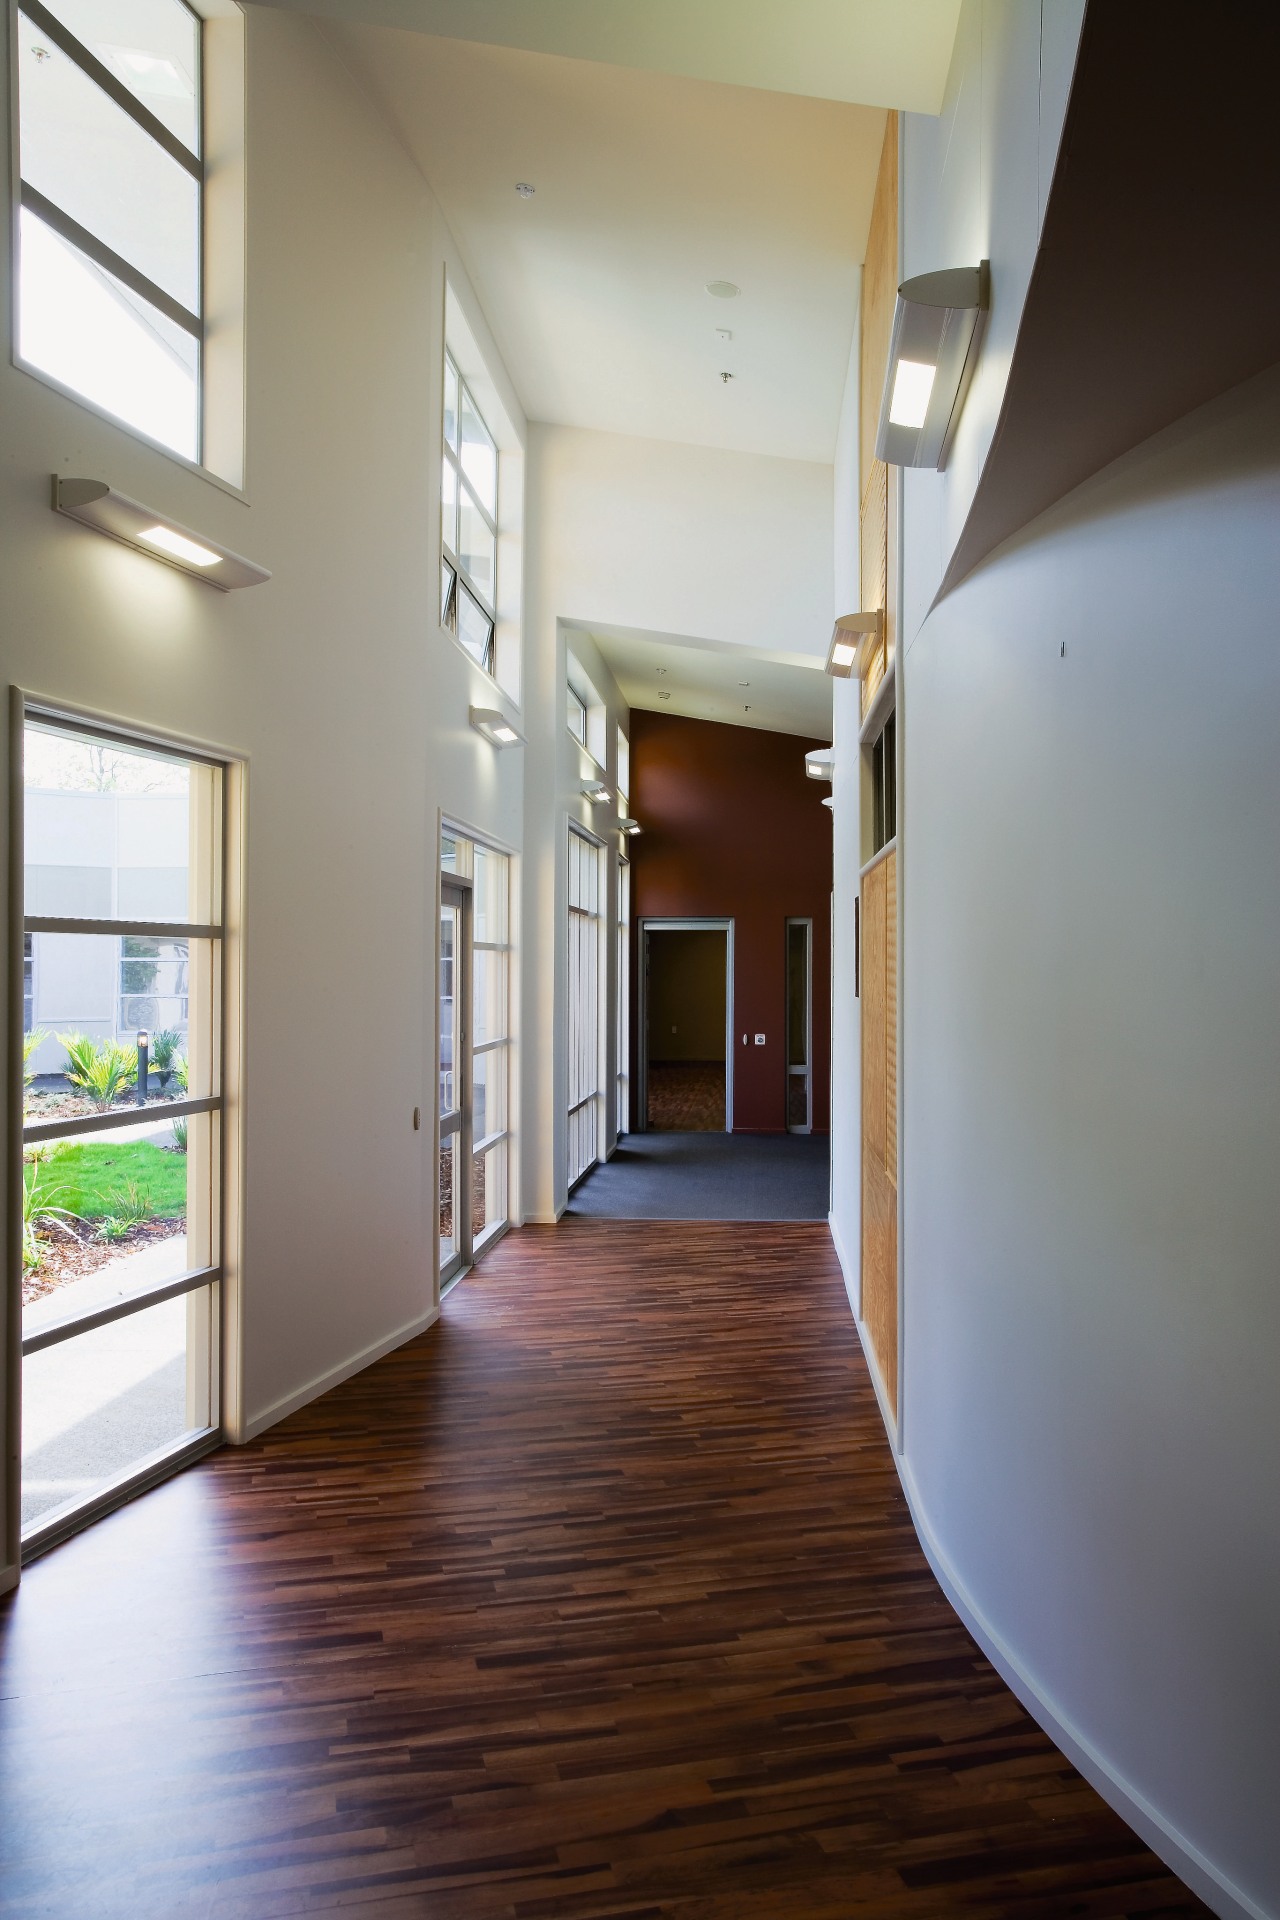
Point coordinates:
[(180, 1134), (164, 1053), (101, 1068)]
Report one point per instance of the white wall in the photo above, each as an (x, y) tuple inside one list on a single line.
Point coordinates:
[(557, 765), (334, 679), (1089, 1422), (1092, 924), (974, 184), (684, 540)]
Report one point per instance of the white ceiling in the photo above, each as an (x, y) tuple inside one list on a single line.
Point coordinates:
[(648, 186), (784, 693), (878, 53)]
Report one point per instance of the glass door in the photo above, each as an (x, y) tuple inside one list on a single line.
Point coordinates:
[(121, 1127), (455, 1247), (799, 1027), (475, 1050)]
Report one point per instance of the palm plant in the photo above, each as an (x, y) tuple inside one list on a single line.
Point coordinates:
[(182, 1074), (164, 1053), (38, 1208), (30, 1041), (103, 1069)]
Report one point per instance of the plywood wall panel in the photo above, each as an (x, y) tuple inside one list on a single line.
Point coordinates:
[(880, 1118), (879, 293)]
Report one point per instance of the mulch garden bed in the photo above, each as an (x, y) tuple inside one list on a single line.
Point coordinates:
[(63, 1259)]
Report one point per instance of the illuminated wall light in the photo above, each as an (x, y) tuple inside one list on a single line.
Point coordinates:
[(596, 790), (912, 386), (932, 352), (820, 765), (853, 640), (630, 827), (493, 725), (179, 546), (94, 504)]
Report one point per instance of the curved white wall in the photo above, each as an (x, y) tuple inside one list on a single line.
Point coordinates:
[(1090, 1107)]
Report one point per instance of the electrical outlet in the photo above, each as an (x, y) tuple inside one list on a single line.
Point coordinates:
[(759, 1039)]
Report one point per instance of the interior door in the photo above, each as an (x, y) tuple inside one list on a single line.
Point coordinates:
[(454, 1212)]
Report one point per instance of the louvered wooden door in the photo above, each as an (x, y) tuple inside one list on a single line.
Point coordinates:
[(880, 1116)]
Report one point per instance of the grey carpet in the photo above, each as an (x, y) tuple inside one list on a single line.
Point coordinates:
[(709, 1176)]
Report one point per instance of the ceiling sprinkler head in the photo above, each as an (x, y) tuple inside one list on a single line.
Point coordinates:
[(525, 191), (726, 377)]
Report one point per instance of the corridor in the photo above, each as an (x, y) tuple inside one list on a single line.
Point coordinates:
[(598, 1598)]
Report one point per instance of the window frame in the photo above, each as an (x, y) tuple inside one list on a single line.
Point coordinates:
[(25, 1544), (459, 879), (29, 199), (460, 579), (592, 925)]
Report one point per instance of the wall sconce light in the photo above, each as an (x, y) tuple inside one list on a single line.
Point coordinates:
[(94, 504), (829, 800), (596, 790), (821, 763), (931, 357), (629, 828), (493, 726), (854, 639)]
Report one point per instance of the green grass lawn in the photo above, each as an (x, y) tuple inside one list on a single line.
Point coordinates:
[(85, 1176)]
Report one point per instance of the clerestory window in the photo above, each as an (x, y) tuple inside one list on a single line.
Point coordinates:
[(469, 521), (110, 294)]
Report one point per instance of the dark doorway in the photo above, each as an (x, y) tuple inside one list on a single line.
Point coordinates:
[(685, 1013)]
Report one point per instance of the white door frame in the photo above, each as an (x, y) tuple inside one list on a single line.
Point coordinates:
[(657, 924)]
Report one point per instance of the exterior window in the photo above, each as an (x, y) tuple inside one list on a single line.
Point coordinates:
[(584, 1033), (475, 1049), (110, 302), (884, 786), (469, 521), (577, 715), (121, 1125)]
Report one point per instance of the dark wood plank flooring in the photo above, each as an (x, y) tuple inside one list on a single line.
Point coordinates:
[(601, 1598)]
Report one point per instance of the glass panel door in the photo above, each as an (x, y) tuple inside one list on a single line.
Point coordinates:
[(121, 1124), (799, 1028), (454, 1248)]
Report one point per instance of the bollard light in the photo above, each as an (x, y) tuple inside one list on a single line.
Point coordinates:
[(144, 1064)]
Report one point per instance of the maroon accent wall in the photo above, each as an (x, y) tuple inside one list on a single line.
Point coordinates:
[(735, 829)]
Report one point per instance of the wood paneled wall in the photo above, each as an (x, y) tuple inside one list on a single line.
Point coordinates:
[(880, 884), (879, 292), (880, 1117)]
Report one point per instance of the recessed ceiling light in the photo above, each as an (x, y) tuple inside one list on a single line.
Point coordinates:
[(525, 191), (723, 290)]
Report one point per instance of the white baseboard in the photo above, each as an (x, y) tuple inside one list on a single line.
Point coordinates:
[(334, 1377), (1177, 1852)]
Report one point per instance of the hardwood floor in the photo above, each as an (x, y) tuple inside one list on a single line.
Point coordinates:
[(600, 1598)]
